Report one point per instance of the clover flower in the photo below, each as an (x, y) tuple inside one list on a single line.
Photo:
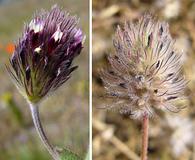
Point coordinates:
[(145, 72), (43, 56), (42, 60)]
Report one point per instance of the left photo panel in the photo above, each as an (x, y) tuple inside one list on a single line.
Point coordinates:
[(44, 75)]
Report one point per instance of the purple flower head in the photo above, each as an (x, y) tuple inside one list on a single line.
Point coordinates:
[(43, 56)]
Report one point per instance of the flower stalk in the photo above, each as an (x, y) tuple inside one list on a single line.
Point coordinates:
[(42, 60), (145, 127), (37, 123), (145, 73)]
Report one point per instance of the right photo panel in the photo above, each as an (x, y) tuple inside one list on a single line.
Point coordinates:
[(143, 55)]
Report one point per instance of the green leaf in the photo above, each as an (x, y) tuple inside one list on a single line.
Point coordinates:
[(68, 155)]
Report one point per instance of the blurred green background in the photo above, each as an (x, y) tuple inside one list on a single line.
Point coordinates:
[(64, 114), (171, 136)]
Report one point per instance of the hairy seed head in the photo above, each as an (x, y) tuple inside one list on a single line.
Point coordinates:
[(42, 60), (145, 70)]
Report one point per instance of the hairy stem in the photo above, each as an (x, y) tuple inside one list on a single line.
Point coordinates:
[(36, 119), (145, 126)]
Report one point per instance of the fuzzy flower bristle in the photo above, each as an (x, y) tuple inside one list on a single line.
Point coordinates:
[(145, 72), (42, 60)]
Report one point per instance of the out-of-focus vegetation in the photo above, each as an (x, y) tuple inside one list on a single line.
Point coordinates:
[(64, 114), (171, 135)]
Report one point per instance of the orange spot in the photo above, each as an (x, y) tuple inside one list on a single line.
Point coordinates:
[(10, 48)]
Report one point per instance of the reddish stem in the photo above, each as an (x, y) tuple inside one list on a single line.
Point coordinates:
[(145, 126)]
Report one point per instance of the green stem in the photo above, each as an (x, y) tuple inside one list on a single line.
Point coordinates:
[(145, 125), (36, 119)]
